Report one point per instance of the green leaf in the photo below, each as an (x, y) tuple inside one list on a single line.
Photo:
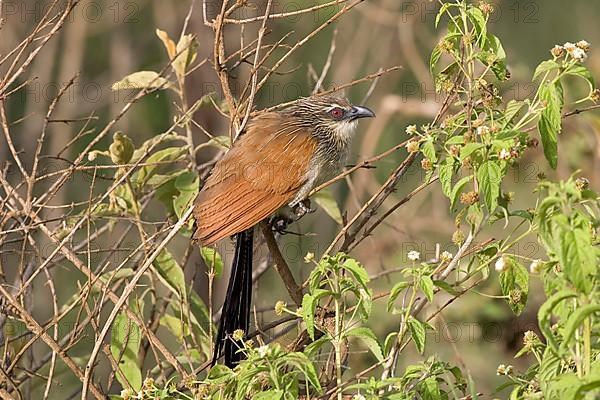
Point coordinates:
[(434, 59), (515, 279), (417, 331), (304, 364), (395, 292), (494, 46), (432, 389), (577, 257), (446, 287), (428, 150), (469, 149), (545, 66), (125, 340), (457, 190), (367, 336), (324, 198), (170, 154), (170, 273), (479, 21), (545, 315), (582, 72), (489, 176), (426, 285), (574, 322), (358, 271), (188, 185), (550, 123), (212, 259), (175, 325), (446, 170), (143, 80), (273, 394), (512, 110), (311, 349), (308, 314)]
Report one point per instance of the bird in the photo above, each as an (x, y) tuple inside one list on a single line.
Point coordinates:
[(275, 162)]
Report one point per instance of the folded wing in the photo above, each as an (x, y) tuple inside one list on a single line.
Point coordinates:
[(262, 172)]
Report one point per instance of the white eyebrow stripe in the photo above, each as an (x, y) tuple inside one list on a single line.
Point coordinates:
[(333, 106)]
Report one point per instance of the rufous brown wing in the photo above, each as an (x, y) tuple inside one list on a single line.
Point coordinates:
[(262, 172)]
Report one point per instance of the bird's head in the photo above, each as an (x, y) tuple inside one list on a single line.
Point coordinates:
[(329, 115)]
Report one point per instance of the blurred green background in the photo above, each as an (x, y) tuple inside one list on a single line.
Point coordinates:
[(106, 40)]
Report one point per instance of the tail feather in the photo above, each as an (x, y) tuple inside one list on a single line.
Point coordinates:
[(236, 308)]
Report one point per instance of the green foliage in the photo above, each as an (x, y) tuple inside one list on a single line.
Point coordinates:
[(471, 150)]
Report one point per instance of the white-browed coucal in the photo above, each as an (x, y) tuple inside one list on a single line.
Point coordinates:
[(277, 161)]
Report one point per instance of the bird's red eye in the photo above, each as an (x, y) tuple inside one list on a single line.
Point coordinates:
[(337, 113)]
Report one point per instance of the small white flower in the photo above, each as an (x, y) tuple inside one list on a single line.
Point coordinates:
[(483, 130), (446, 256), (579, 54), (583, 45), (358, 397), (501, 264), (411, 129), (414, 255), (504, 369), (263, 350), (570, 47), (504, 155), (534, 267), (309, 257)]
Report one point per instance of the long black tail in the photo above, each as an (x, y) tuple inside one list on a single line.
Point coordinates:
[(236, 309)]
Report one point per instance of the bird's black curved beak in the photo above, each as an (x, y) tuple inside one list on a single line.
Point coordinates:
[(360, 112)]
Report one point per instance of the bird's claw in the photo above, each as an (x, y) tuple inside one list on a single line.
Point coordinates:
[(279, 223), (303, 208)]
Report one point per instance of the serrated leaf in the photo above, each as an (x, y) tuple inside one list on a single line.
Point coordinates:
[(426, 285), (446, 171), (367, 336), (512, 110), (577, 257), (358, 271), (550, 123), (417, 331), (327, 202), (545, 66), (142, 80), (515, 277), (395, 292), (428, 150), (582, 72), (489, 177), (479, 21)]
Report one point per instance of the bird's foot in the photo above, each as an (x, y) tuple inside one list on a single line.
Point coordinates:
[(302, 208), (279, 223)]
